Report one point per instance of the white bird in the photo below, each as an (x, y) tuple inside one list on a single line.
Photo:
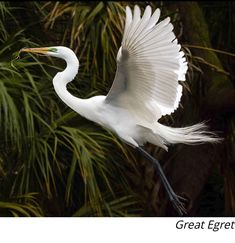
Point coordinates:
[(145, 88)]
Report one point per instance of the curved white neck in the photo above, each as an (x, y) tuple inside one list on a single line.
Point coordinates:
[(60, 81)]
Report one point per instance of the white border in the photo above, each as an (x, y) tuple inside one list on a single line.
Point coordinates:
[(110, 230)]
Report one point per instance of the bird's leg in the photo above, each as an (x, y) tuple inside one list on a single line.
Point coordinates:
[(175, 199)]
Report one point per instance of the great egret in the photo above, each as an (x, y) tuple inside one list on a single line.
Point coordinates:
[(145, 88)]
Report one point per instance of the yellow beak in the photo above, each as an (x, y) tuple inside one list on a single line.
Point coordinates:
[(39, 50)]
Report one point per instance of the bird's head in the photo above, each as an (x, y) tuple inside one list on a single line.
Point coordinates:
[(61, 52)]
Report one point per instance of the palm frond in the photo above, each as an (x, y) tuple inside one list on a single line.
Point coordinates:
[(24, 205)]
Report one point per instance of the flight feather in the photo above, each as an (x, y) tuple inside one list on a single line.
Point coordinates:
[(150, 63)]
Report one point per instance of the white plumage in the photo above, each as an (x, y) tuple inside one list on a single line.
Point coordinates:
[(145, 88), (149, 65)]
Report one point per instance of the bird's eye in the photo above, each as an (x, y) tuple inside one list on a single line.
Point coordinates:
[(53, 49)]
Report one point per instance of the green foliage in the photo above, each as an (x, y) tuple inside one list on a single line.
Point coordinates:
[(23, 205), (72, 164), (94, 30)]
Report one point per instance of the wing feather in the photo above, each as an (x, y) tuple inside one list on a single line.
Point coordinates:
[(128, 21), (149, 65)]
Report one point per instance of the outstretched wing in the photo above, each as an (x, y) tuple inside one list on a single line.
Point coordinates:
[(149, 65)]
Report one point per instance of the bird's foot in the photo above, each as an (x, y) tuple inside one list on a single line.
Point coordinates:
[(178, 203)]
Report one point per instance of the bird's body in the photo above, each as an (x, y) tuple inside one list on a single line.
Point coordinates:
[(145, 88), (123, 114)]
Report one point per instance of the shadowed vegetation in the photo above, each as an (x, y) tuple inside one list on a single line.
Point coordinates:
[(53, 162)]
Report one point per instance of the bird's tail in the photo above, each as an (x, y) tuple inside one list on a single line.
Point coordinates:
[(195, 134)]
